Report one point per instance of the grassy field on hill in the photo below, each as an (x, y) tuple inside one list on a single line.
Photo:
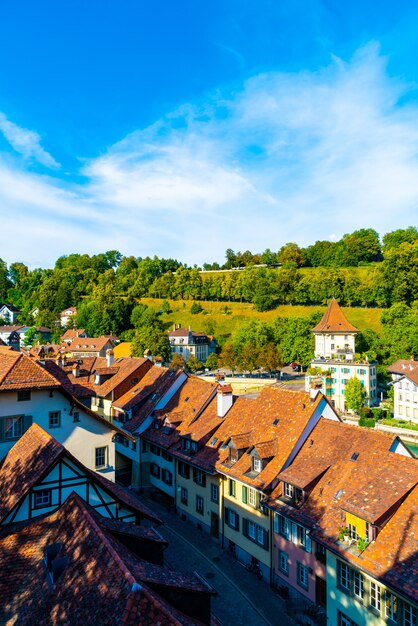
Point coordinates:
[(226, 323)]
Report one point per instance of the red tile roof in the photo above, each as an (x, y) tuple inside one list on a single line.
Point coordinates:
[(97, 586), (334, 321), (124, 368), (407, 368), (18, 371)]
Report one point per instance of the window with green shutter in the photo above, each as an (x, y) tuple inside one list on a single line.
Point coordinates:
[(244, 494)]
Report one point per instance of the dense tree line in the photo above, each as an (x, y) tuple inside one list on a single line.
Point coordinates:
[(106, 287)]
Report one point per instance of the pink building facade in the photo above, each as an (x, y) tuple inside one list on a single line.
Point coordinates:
[(299, 563)]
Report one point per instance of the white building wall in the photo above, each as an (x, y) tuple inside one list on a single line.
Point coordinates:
[(80, 438), (405, 399)]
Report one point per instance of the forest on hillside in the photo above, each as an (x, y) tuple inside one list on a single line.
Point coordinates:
[(106, 288)]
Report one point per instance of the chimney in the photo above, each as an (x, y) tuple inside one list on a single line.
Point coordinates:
[(174, 327), (109, 357), (76, 371), (148, 355), (224, 399)]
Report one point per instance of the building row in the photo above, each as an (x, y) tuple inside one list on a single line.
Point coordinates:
[(324, 511)]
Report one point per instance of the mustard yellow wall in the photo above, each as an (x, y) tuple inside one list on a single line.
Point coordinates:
[(249, 512), (359, 523), (122, 349), (193, 490)]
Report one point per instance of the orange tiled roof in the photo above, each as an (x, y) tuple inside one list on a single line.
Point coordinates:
[(18, 371), (407, 368), (100, 584), (334, 321), (122, 369)]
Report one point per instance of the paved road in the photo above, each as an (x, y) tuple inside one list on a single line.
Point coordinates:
[(242, 598)]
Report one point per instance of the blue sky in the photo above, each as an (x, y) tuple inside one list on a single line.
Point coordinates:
[(183, 128)]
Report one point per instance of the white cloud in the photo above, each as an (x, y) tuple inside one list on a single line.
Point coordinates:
[(290, 157), (26, 142)]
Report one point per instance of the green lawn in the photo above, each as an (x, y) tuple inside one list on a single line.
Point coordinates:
[(226, 324)]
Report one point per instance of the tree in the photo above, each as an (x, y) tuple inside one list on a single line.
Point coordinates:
[(270, 358), (32, 337), (153, 339), (248, 358), (229, 357), (290, 254), (177, 361), (196, 308), (193, 364), (165, 307), (395, 238), (212, 362), (354, 394)]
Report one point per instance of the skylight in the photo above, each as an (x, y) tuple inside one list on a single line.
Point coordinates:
[(214, 440), (354, 456), (338, 494), (276, 421)]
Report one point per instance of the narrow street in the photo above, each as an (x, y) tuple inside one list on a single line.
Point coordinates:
[(241, 597)]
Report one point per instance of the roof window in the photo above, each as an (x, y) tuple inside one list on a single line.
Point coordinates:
[(354, 456), (276, 421), (214, 440)]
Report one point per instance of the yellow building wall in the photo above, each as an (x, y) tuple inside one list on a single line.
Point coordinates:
[(359, 523), (249, 512), (193, 489), (122, 349)]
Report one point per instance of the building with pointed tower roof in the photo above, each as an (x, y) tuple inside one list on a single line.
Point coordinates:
[(335, 360)]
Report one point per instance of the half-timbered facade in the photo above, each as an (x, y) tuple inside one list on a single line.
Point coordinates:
[(38, 475)]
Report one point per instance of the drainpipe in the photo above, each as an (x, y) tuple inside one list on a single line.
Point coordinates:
[(271, 547), (175, 484), (222, 512)]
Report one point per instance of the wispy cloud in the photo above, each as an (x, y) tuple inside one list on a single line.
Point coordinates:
[(289, 157), (26, 142)]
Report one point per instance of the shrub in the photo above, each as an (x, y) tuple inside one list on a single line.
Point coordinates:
[(196, 308), (367, 422), (365, 411)]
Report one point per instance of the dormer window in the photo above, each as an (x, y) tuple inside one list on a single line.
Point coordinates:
[(257, 465), (190, 445), (289, 490), (233, 454)]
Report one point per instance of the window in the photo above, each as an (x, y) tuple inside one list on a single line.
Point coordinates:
[(101, 457), (232, 488), (155, 449), (214, 492), (288, 490), (320, 553), (257, 465), (184, 469), (390, 606), (55, 419), (13, 427), (283, 562), (76, 416), (409, 615), (343, 576), (231, 519), (281, 526), (23, 395), (167, 477), (190, 445), (353, 531), (42, 498), (184, 496), (302, 576), (375, 596), (199, 505), (256, 533), (343, 620), (199, 477), (154, 470), (301, 535), (252, 497), (358, 585)]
